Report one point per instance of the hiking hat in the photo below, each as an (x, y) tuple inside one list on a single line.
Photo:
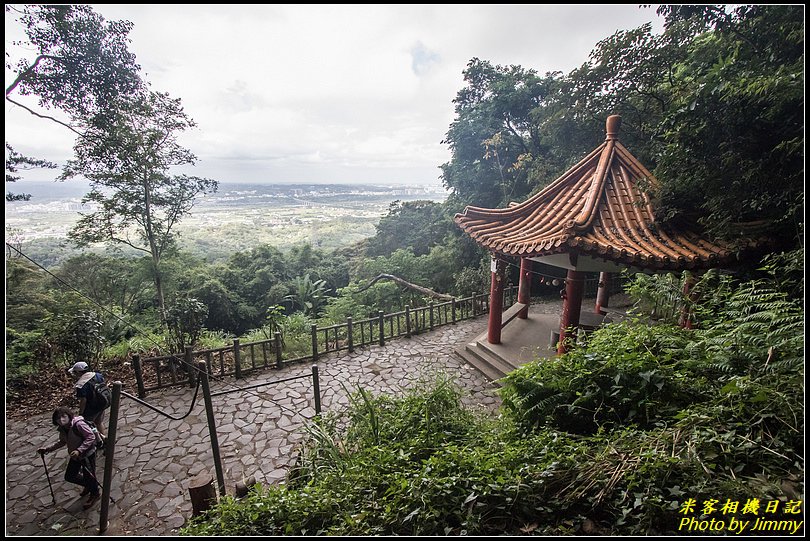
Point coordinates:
[(79, 368)]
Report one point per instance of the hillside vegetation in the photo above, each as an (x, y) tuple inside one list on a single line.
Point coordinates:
[(617, 437), (712, 106)]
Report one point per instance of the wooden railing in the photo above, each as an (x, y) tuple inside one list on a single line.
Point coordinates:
[(238, 359)]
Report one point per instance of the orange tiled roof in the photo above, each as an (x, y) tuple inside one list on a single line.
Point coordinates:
[(598, 209)]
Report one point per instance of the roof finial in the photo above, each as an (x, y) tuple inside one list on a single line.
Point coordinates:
[(612, 127)]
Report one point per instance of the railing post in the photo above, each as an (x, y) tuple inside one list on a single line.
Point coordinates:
[(237, 359), (408, 321), (430, 307), (277, 345), (382, 327), (209, 362), (109, 456), (212, 428), (350, 334), (314, 342), (188, 360), (453, 305), (136, 365), (316, 389)]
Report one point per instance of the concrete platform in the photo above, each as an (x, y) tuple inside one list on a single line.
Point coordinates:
[(522, 341)]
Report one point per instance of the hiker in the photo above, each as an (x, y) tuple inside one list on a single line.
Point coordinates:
[(81, 444), (90, 407)]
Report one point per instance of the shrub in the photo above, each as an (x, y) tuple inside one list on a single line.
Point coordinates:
[(610, 439)]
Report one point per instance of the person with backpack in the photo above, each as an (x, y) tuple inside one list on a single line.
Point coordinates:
[(81, 443), (92, 392)]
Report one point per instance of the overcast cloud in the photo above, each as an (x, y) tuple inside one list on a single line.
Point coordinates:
[(330, 93)]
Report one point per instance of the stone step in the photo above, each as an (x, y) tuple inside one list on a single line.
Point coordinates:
[(475, 362), (489, 364)]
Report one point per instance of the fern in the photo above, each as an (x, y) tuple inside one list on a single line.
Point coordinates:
[(761, 330)]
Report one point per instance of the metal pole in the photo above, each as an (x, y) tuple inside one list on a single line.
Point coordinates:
[(109, 456), (316, 389), (212, 429), (48, 476)]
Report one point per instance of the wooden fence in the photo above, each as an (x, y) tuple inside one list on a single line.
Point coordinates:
[(238, 359)]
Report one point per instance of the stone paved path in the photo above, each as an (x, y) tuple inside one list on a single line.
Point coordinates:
[(258, 432)]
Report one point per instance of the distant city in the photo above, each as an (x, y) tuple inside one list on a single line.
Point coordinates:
[(68, 194)]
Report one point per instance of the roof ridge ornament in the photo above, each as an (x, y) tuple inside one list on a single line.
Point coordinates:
[(612, 125)]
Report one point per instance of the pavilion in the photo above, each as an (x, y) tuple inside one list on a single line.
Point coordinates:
[(596, 217)]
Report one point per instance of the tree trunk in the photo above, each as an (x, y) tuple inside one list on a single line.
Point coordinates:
[(202, 492), (409, 285), (159, 289)]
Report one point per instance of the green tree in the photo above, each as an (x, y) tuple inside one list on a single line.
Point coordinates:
[(80, 338), (115, 283), (72, 61), (16, 162), (499, 151), (227, 310), (309, 296), (127, 163), (29, 301), (714, 106), (274, 322), (257, 277), (418, 225), (185, 318)]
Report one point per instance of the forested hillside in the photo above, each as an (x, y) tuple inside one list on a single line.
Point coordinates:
[(611, 438)]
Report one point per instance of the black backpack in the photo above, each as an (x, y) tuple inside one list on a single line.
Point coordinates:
[(102, 395)]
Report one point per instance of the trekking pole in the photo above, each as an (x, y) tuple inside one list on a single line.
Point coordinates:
[(93, 477), (48, 476)]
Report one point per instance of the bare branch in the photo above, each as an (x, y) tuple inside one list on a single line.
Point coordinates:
[(27, 72), (409, 285), (68, 126)]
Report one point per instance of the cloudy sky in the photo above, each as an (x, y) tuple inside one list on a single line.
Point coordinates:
[(329, 93)]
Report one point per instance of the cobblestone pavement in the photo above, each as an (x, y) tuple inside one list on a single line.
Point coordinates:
[(258, 431)]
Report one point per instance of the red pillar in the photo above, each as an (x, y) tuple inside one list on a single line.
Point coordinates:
[(572, 306), (685, 320), (603, 293), (495, 303), (525, 286)]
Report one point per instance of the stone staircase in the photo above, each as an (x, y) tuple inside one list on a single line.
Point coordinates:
[(522, 341)]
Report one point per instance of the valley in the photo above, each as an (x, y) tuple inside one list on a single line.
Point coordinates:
[(237, 217)]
